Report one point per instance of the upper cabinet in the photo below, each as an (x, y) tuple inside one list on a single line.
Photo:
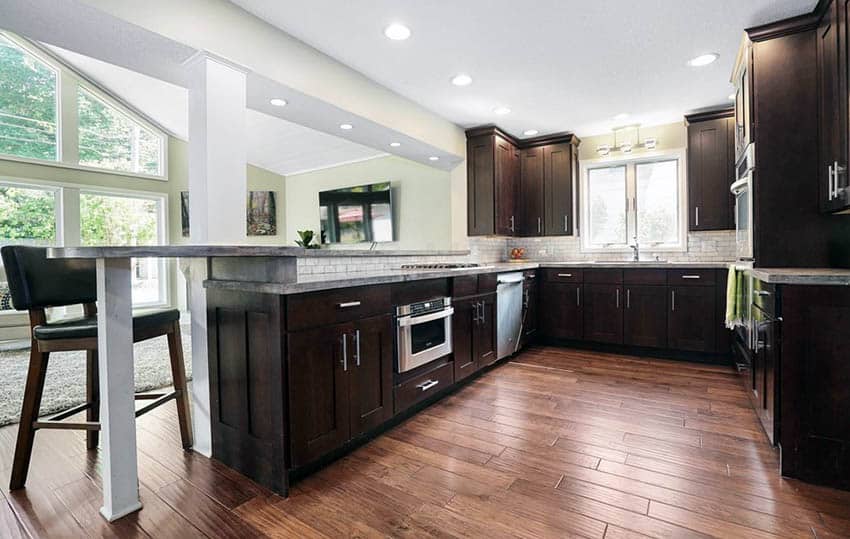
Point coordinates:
[(832, 39), (711, 170), (520, 188)]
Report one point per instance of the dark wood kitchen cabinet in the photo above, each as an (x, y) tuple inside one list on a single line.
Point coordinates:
[(603, 313), (711, 170), (520, 187), (473, 334), (530, 310), (832, 39), (492, 183), (691, 318), (645, 316), (560, 305), (531, 187), (340, 384)]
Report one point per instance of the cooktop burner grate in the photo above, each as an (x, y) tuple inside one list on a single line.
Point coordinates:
[(440, 266)]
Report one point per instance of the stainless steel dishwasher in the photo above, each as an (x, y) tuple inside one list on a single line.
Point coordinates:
[(508, 313)]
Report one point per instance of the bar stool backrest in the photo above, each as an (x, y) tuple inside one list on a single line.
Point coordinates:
[(36, 282)]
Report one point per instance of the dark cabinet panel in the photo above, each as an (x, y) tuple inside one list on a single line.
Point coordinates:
[(561, 314), (692, 325), (558, 189), (485, 332), (531, 188), (530, 309), (710, 174), (464, 322), (764, 370), (371, 373), (481, 170), (645, 316), (506, 187), (603, 313), (318, 392)]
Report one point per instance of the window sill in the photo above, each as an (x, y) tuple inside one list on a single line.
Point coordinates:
[(82, 168)]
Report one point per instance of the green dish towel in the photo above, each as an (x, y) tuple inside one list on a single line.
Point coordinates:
[(734, 309)]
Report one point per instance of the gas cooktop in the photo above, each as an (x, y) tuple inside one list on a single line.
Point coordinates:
[(441, 266)]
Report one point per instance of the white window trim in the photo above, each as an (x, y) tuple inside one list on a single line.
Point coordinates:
[(630, 162), (51, 64)]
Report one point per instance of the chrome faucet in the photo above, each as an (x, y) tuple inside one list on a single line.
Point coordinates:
[(636, 249)]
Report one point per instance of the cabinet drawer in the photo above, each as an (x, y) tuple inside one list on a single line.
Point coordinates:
[(645, 276), (603, 276), (471, 285), (335, 306), (691, 277), (563, 275), (423, 386)]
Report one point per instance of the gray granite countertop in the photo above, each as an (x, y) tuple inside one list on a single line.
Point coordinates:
[(314, 283), (803, 276), (202, 251)]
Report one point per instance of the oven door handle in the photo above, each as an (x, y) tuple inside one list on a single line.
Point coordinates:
[(414, 320), (739, 186)]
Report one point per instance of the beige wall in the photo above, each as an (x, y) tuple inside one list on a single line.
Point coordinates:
[(421, 200)]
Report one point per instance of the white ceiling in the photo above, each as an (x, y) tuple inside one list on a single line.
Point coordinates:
[(560, 65), (273, 143)]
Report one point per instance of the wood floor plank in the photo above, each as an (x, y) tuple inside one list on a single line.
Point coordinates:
[(10, 526)]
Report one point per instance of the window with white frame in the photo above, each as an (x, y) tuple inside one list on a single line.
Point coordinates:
[(29, 108), (108, 218), (634, 200), (28, 215), (111, 139)]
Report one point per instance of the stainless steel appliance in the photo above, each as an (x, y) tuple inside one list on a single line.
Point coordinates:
[(424, 332), (742, 189), (509, 299)]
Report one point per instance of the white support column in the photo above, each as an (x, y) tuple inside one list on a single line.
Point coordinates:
[(117, 401), (218, 157), (195, 271)]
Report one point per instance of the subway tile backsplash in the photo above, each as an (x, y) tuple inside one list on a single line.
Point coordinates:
[(702, 247)]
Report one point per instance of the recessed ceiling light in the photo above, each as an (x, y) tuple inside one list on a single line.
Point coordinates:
[(278, 102), (621, 116), (703, 59), (397, 32), (346, 126), (530, 132), (502, 110), (433, 158), (731, 97), (461, 79), (395, 144)]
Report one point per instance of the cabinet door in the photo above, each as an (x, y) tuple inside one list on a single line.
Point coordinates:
[(603, 313), (833, 108), (767, 348), (691, 325), (370, 367), (485, 331), (480, 185), (506, 187), (645, 316), (558, 190), (464, 323), (709, 175), (318, 392), (531, 181), (562, 314)]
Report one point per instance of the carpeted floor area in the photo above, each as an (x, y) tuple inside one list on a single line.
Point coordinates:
[(66, 376)]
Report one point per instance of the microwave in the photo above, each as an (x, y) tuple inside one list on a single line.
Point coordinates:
[(742, 190)]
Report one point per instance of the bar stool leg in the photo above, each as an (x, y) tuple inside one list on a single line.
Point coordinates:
[(29, 414), (178, 374), (92, 397)]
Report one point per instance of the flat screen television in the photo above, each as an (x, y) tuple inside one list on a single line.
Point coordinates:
[(357, 214)]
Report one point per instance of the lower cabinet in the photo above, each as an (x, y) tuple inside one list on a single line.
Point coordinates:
[(691, 320), (560, 304), (340, 384), (473, 334), (529, 309), (603, 313), (645, 316)]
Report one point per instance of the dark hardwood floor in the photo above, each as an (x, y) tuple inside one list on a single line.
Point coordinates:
[(556, 443)]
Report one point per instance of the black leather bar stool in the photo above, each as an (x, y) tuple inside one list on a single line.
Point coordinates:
[(36, 283)]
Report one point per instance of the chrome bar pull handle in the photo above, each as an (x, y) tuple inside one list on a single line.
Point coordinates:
[(696, 217), (830, 181), (629, 298), (425, 386), (691, 277), (618, 298), (357, 346), (565, 275), (566, 222), (578, 296), (513, 225), (539, 225), (673, 301), (345, 352), (349, 304)]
